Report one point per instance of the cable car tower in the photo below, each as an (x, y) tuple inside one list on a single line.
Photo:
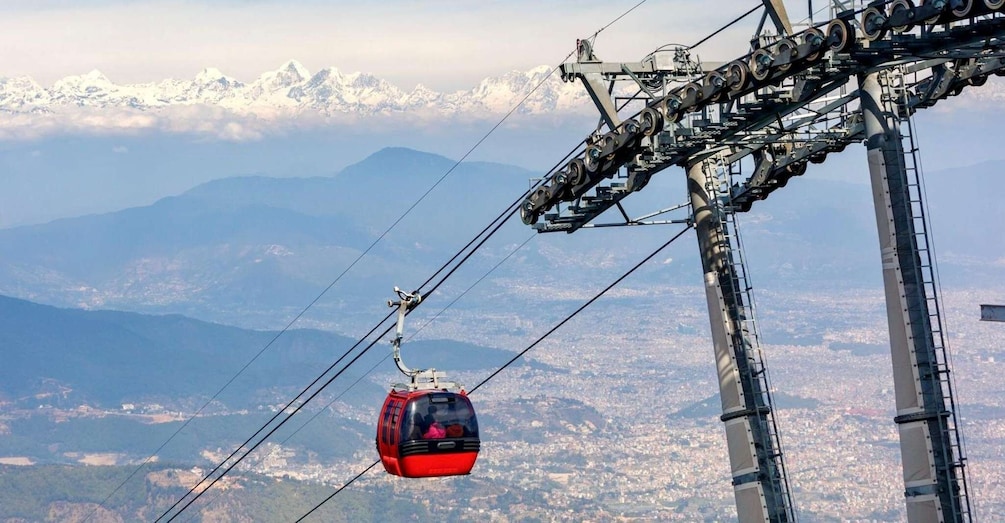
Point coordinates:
[(799, 94)]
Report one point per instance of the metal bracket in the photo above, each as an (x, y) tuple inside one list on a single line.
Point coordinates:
[(421, 379)]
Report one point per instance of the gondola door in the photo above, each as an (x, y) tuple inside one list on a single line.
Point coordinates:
[(389, 432)]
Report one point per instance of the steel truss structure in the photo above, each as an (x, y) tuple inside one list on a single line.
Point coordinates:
[(794, 98)]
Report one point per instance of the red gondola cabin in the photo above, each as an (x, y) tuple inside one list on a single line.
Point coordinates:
[(427, 433)]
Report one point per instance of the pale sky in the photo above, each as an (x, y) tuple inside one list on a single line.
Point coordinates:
[(443, 44)]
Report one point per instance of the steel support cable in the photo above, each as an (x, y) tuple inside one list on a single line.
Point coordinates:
[(276, 415), (265, 437), (498, 223), (525, 351), (505, 214), (727, 26), (382, 360), (335, 281), (616, 20), (416, 332), (495, 224), (394, 224), (307, 400), (485, 234)]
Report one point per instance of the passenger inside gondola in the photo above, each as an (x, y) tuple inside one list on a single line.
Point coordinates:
[(439, 416), (435, 430), (415, 427)]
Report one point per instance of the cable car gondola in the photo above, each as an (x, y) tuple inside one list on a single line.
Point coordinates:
[(427, 428)]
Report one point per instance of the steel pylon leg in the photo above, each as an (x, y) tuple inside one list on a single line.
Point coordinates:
[(933, 466), (755, 456)]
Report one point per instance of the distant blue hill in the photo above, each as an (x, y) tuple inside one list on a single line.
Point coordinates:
[(252, 251), (260, 243), (64, 357)]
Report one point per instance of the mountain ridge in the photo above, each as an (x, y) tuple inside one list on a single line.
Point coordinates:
[(106, 357), (238, 250), (285, 94)]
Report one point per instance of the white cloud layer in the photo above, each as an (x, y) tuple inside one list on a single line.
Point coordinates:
[(445, 44), (216, 105)]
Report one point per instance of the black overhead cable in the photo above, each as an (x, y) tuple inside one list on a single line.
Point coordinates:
[(276, 415), (622, 15), (340, 489), (512, 208), (584, 306), (307, 400), (412, 335), (524, 351), (498, 222), (727, 26), (337, 279), (485, 234)]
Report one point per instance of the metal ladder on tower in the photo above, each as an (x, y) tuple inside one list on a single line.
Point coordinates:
[(895, 92), (725, 176)]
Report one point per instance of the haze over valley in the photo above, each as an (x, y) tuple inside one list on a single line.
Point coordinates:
[(103, 387), (188, 257)]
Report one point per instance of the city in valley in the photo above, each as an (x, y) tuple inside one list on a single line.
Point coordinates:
[(621, 421)]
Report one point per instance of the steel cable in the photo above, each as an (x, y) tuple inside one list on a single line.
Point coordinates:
[(484, 235), (501, 219), (525, 351)]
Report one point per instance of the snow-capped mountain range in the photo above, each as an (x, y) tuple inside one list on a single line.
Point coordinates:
[(217, 105), (213, 101)]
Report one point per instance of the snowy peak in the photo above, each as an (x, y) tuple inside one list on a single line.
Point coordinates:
[(288, 75), (295, 69), (91, 82), (212, 76), (213, 100)]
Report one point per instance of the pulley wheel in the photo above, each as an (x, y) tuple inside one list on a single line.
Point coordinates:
[(715, 83), (994, 5), (796, 169), (592, 158), (737, 74), (787, 50), (527, 216), (672, 109), (760, 64), (943, 5), (691, 94), (652, 121), (575, 172), (874, 24), (840, 35), (963, 11), (816, 39), (540, 197), (902, 10)]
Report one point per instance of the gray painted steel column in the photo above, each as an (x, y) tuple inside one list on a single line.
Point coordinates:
[(932, 488), (755, 460)]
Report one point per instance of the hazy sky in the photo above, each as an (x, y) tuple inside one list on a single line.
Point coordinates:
[(443, 44)]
